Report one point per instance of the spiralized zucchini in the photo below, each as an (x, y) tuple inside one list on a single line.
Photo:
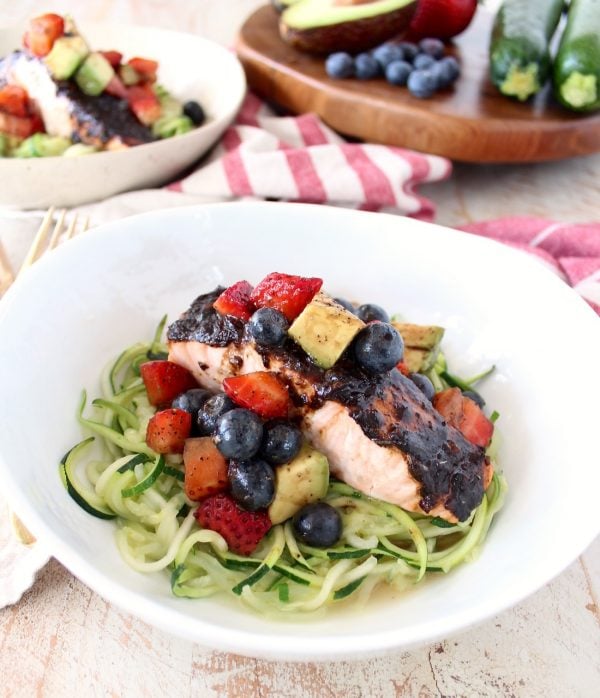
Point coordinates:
[(156, 529)]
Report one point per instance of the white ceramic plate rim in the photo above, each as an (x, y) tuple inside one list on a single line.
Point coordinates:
[(296, 648)]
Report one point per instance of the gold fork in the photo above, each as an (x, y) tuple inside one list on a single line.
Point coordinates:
[(52, 232)]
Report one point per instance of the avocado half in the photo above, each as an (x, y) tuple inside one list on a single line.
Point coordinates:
[(324, 26), (281, 5)]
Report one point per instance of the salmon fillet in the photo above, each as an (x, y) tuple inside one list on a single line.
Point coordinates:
[(379, 433)]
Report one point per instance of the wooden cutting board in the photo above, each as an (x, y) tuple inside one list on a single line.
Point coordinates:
[(471, 123)]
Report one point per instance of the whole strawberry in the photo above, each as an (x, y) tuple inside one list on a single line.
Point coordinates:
[(243, 530), (442, 19)]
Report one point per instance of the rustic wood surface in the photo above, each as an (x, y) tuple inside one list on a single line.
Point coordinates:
[(62, 639), (472, 122)]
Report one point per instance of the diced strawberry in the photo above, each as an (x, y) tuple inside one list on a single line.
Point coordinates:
[(144, 104), (261, 391), (20, 126), (403, 368), (113, 57), (43, 32), (116, 88), (464, 414), (168, 430), (243, 530), (14, 100), (286, 293), (205, 468), (145, 67), (475, 426), (165, 380), (235, 300)]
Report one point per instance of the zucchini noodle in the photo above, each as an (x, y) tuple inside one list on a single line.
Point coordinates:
[(156, 529)]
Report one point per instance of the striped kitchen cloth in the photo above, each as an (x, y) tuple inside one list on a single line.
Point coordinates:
[(571, 250), (292, 158)]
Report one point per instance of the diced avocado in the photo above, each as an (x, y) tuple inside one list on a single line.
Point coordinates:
[(170, 108), (421, 344), (65, 57), (94, 74), (129, 75), (326, 26), (41, 145), (78, 149), (301, 481), (324, 329), (166, 127)]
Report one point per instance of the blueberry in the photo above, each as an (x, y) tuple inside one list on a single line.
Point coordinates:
[(421, 83), (191, 401), (318, 524), (397, 72), (210, 411), (409, 50), (268, 326), (423, 62), (339, 65), (252, 483), (238, 433), (446, 71), (281, 443), (378, 347), (195, 112), (476, 397), (387, 53), (368, 312), (423, 384), (432, 47), (346, 304), (365, 66)]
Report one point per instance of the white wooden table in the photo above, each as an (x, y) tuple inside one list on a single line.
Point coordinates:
[(63, 639)]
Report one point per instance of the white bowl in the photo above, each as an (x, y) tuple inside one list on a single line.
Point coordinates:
[(83, 303), (190, 67)]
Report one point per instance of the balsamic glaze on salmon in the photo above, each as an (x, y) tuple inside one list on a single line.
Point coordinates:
[(389, 409)]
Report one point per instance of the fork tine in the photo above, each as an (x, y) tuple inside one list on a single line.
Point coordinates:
[(57, 229), (39, 239), (71, 229), (7, 273)]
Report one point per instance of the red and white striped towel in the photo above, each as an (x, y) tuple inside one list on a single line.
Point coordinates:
[(571, 250)]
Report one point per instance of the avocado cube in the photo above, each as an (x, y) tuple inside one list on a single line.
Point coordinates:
[(66, 55), (324, 329), (94, 74), (303, 480), (421, 344)]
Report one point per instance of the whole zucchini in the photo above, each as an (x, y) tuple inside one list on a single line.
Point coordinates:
[(519, 50), (577, 64)]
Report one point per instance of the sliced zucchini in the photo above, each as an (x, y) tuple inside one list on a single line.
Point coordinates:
[(148, 481), (85, 497)]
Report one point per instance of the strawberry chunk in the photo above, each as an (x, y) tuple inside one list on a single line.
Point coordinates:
[(464, 414), (165, 380), (116, 88), (286, 293), (43, 32), (14, 100), (20, 126), (145, 67), (243, 530), (403, 368), (235, 300), (167, 431), (113, 57), (261, 391), (144, 104), (475, 426), (205, 468)]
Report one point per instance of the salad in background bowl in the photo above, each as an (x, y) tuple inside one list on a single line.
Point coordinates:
[(142, 104)]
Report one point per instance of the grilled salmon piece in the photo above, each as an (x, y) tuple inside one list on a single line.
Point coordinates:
[(379, 433)]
